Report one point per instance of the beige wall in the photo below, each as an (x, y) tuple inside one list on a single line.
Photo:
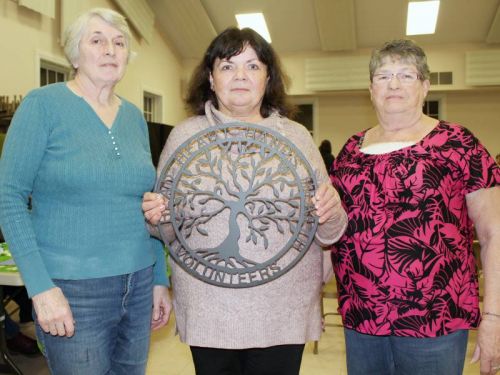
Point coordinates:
[(479, 111), (27, 36), (343, 114), (23, 34)]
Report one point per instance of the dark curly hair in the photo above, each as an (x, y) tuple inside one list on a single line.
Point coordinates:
[(227, 44)]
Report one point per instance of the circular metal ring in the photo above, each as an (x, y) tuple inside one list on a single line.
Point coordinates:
[(255, 187)]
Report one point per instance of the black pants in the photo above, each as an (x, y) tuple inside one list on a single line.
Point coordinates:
[(274, 360), (20, 295)]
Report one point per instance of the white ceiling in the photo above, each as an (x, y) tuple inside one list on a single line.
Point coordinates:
[(318, 26)]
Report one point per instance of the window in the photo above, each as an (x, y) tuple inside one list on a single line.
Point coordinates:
[(435, 106), (52, 73), (148, 108), (152, 107), (432, 108)]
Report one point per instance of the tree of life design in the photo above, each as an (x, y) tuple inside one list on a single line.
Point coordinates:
[(239, 210)]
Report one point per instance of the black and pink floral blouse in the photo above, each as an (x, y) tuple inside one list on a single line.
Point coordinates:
[(405, 264)]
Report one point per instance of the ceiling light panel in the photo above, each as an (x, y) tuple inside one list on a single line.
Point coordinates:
[(422, 17), (255, 21)]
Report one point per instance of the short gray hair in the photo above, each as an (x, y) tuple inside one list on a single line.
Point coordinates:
[(74, 32), (404, 50)]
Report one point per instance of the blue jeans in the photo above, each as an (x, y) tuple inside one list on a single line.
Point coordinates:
[(392, 355), (112, 326)]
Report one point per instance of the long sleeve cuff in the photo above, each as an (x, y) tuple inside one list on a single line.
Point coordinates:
[(34, 273), (160, 267), (330, 231)]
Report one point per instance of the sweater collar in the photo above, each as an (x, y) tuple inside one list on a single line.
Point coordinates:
[(216, 117)]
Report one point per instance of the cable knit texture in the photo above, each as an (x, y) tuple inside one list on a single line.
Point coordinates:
[(86, 220), (283, 311)]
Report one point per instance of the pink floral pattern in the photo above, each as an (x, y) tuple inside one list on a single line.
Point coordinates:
[(405, 264)]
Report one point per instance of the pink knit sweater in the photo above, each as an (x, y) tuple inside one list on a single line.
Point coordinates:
[(283, 311)]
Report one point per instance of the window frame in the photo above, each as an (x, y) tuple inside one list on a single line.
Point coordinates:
[(441, 100), (156, 111), (48, 61)]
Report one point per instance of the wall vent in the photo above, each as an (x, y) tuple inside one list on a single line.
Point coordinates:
[(337, 73), (441, 78), (482, 68)]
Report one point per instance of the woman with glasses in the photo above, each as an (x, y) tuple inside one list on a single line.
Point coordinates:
[(412, 187)]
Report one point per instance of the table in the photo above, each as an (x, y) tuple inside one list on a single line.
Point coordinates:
[(9, 275)]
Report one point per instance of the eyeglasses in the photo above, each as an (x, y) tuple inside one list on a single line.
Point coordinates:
[(405, 78)]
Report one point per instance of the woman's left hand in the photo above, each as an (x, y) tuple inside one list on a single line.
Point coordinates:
[(162, 306), (327, 203), (488, 346)]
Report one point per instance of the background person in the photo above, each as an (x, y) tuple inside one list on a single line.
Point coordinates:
[(412, 187), (260, 329), (20, 296), (325, 149), (83, 250)]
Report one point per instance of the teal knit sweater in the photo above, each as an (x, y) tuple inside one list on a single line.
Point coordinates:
[(86, 182)]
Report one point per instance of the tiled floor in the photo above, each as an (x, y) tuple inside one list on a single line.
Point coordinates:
[(170, 357)]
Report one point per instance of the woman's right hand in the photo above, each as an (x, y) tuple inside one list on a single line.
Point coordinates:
[(53, 313), (153, 206)]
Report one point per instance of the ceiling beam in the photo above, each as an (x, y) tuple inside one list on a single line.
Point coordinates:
[(336, 24), (140, 15), (494, 32), (186, 24)]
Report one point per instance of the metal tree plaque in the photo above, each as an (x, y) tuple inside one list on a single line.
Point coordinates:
[(239, 205)]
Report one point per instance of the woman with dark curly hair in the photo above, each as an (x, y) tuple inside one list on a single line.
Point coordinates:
[(257, 329)]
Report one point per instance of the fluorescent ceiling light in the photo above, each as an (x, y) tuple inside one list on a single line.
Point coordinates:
[(422, 17), (254, 21)]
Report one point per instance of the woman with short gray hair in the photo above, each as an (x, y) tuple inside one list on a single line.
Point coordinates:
[(413, 186), (82, 153)]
